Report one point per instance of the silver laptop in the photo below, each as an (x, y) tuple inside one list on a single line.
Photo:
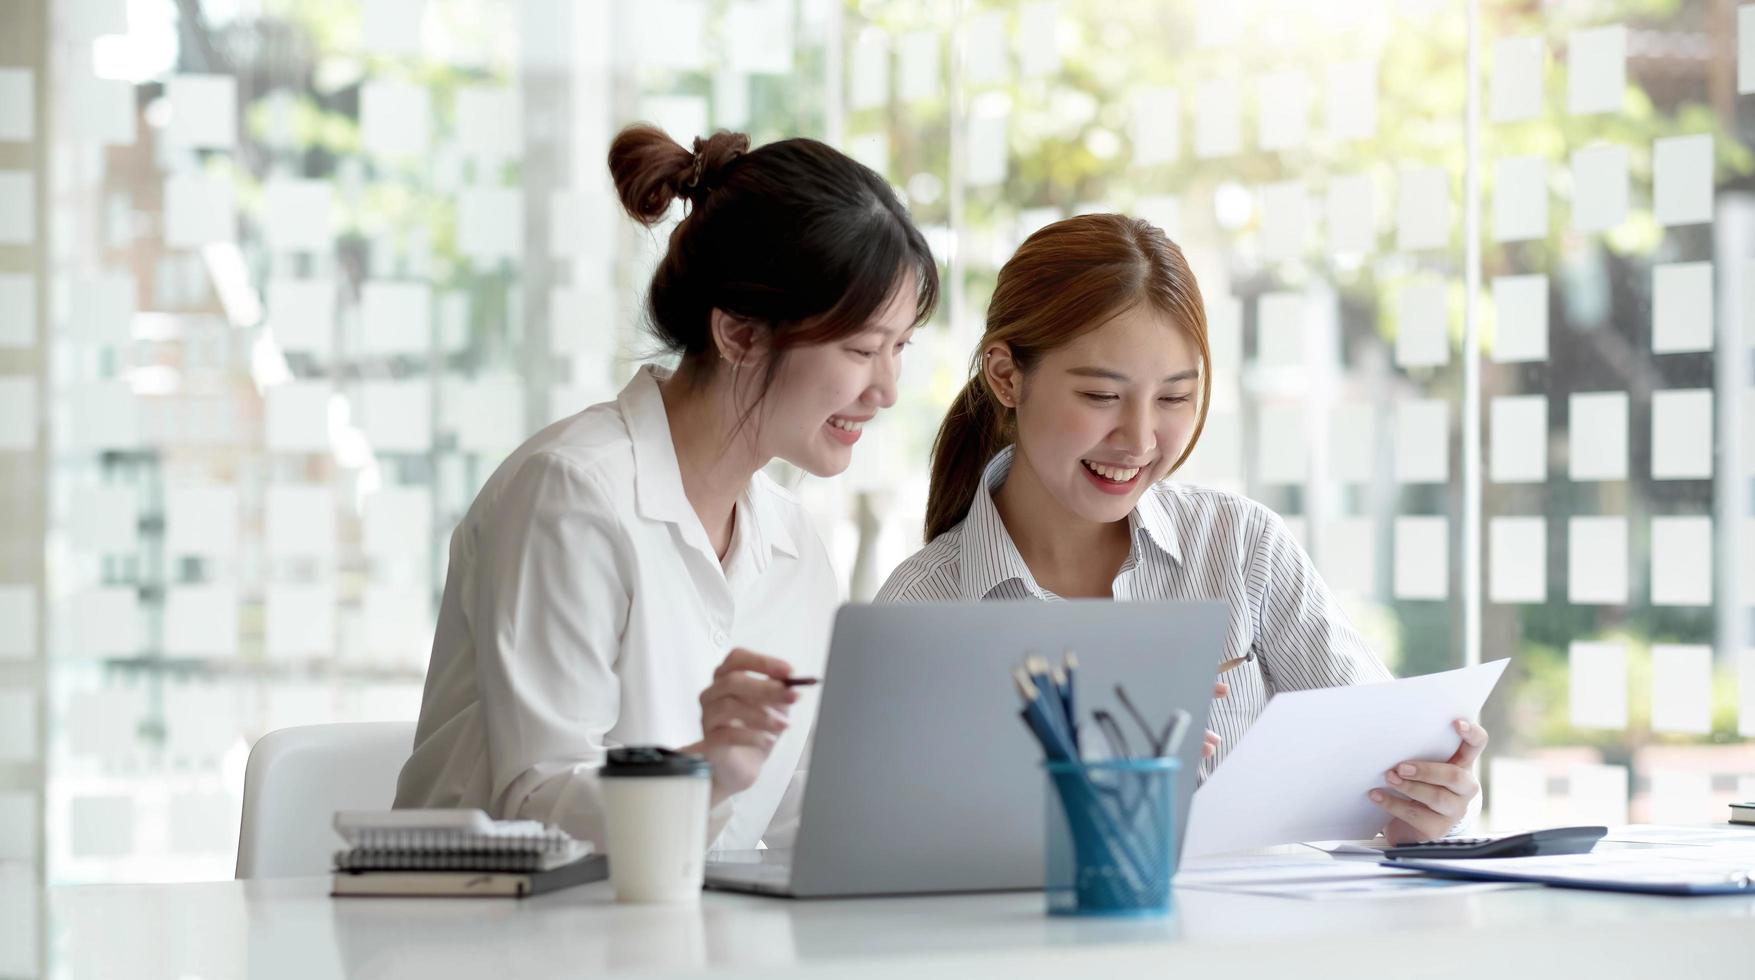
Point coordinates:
[(923, 777)]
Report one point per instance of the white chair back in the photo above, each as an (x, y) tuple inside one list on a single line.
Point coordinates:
[(298, 777)]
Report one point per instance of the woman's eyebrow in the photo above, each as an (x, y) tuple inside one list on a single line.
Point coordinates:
[(1112, 375)]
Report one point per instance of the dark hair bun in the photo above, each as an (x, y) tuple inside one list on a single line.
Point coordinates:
[(651, 169)]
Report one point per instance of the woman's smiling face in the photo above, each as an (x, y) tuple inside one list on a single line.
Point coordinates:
[(1101, 419)]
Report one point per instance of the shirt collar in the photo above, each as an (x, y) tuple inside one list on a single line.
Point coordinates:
[(658, 487), (989, 558)]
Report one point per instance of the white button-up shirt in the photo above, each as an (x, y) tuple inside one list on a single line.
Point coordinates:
[(1188, 543), (585, 608)]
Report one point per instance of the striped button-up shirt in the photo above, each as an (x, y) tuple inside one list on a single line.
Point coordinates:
[(1186, 543)]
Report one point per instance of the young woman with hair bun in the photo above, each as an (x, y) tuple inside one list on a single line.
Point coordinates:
[(628, 575), (1089, 388)]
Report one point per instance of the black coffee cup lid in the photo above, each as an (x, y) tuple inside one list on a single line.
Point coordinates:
[(650, 760)]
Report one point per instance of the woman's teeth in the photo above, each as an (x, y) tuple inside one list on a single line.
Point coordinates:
[(841, 423), (1114, 474)]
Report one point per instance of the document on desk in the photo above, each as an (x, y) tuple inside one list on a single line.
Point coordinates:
[(1323, 879), (1302, 771)]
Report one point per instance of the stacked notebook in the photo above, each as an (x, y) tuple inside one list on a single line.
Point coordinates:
[(457, 852)]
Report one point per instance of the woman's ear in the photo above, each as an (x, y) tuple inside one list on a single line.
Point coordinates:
[(1004, 377), (739, 340)]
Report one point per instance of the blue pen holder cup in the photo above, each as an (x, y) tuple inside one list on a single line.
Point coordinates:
[(1111, 836)]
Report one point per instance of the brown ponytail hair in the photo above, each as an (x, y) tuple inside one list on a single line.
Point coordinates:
[(794, 235), (1066, 280)]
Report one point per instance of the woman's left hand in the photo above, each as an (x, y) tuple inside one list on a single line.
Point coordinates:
[(1434, 795)]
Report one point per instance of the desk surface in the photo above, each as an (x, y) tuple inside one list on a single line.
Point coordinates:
[(290, 928)]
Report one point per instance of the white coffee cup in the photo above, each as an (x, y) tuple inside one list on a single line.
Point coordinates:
[(657, 802)]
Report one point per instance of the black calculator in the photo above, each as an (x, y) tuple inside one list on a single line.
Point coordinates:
[(1557, 840)]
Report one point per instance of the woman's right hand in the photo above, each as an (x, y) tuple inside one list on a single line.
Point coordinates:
[(743, 713)]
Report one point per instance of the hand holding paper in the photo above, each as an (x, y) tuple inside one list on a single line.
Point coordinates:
[(1304, 769)]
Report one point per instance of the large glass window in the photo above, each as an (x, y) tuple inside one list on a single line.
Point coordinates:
[(281, 283)]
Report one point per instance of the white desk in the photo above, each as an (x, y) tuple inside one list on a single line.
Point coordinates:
[(290, 928)]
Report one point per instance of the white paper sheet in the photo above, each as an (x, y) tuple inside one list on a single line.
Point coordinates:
[(1423, 209), (1596, 679), (106, 519), (1681, 434), (490, 122), (301, 520), (1352, 453), (1327, 749), (919, 71), (1352, 215), (17, 105), (297, 213), (204, 111), (18, 622), (1596, 794), (1681, 688), (301, 313), (1520, 313), (1285, 221), (1517, 434), (396, 118), (1352, 100), (1681, 172), (1596, 70), (1681, 561), (1681, 307), (397, 416), (1280, 339), (1596, 560), (490, 224), (1520, 199), (298, 417), (1218, 119), (1517, 559), (300, 620), (1038, 40), (1349, 562), (989, 149), (101, 308), (1422, 333), (18, 207), (201, 521), (1517, 794), (1282, 110), (201, 621), (1282, 445), (1599, 187), (102, 826), (395, 317), (759, 37), (1597, 436), (391, 27), (1422, 559), (199, 208), (868, 72), (1422, 441), (1517, 78), (1217, 23), (1155, 123), (985, 57), (1681, 797)]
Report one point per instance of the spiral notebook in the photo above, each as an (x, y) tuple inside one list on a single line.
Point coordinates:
[(450, 840)]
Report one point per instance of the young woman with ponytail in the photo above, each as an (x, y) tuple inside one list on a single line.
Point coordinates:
[(1089, 388), (628, 575)]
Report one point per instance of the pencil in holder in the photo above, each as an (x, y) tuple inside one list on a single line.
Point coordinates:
[(1111, 836)]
